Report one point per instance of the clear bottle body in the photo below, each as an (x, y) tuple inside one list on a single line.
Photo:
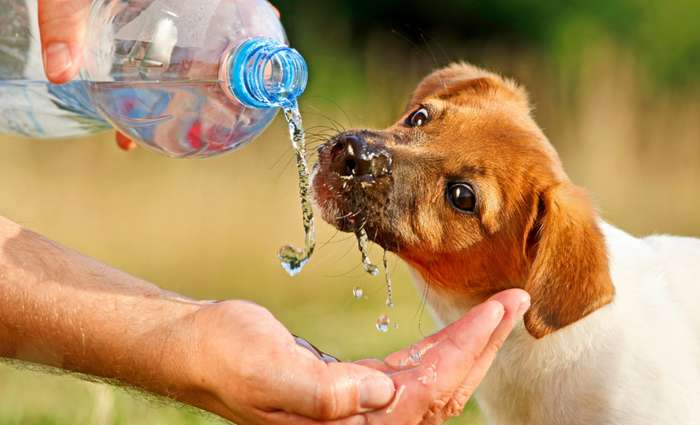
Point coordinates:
[(157, 70), (29, 105)]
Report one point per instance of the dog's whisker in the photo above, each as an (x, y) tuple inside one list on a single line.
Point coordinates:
[(337, 106), (350, 215), (421, 309), (429, 49)]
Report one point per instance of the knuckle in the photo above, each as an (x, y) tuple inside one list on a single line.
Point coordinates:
[(455, 406), (461, 399), (432, 416), (494, 347), (236, 309), (325, 399), (438, 405)]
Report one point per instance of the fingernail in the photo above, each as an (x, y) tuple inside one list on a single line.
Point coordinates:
[(524, 306), (58, 59), (376, 391)]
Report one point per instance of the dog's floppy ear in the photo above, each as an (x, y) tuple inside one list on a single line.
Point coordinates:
[(568, 276), (465, 83)]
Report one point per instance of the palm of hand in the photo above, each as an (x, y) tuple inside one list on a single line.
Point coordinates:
[(256, 373)]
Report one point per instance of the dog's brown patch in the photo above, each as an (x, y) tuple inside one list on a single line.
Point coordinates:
[(532, 228)]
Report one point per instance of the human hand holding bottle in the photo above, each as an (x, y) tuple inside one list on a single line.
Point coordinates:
[(62, 25)]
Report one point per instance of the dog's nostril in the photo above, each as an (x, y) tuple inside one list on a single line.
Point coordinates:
[(350, 167), (352, 156), (338, 149), (347, 155)]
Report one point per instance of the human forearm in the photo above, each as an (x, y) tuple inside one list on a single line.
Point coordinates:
[(234, 358), (65, 310)]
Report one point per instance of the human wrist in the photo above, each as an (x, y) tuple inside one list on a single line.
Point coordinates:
[(167, 362), (218, 375)]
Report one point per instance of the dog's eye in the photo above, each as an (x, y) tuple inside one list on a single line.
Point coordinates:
[(462, 197), (418, 118)]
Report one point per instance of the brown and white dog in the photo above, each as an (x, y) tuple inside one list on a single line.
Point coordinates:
[(467, 190)]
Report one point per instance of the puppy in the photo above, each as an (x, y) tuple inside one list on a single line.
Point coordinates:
[(467, 190)]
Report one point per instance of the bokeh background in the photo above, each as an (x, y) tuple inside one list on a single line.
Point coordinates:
[(616, 86)]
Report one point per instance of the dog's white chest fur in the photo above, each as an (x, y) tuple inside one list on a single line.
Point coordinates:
[(633, 362)]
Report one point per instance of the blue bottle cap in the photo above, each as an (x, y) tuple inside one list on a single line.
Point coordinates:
[(265, 73)]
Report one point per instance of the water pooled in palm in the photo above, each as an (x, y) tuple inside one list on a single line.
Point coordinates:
[(293, 259)]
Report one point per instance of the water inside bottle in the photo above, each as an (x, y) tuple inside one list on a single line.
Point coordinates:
[(293, 259), (39, 109)]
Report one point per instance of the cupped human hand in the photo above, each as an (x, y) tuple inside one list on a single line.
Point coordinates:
[(246, 367)]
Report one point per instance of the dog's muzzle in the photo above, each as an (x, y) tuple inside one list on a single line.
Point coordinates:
[(352, 157)]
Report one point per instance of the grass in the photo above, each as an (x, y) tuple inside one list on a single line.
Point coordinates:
[(210, 229)]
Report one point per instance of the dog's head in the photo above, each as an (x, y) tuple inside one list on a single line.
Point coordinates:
[(466, 188)]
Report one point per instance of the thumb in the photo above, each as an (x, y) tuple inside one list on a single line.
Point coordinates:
[(62, 25), (336, 390)]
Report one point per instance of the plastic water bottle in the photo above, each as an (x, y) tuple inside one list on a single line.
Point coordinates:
[(189, 78)]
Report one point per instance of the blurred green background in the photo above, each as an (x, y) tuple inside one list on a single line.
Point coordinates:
[(615, 84)]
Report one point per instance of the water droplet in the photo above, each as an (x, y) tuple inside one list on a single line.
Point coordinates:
[(358, 293), (362, 241), (415, 355), (383, 323), (294, 260), (430, 376)]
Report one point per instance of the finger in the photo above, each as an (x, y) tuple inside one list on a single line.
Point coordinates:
[(62, 25), (375, 364), (317, 390), (124, 142), (411, 356), (423, 391), (284, 418), (516, 303)]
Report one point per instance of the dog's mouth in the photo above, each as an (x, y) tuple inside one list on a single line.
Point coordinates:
[(352, 182)]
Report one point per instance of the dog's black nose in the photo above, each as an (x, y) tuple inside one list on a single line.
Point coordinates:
[(352, 156)]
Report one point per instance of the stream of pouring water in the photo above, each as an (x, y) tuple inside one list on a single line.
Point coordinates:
[(362, 241), (387, 279), (293, 259), (384, 320)]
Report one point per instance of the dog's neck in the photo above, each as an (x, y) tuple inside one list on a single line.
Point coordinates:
[(445, 305), (470, 276), (447, 308)]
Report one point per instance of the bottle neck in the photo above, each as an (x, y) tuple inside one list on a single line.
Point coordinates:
[(264, 73)]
